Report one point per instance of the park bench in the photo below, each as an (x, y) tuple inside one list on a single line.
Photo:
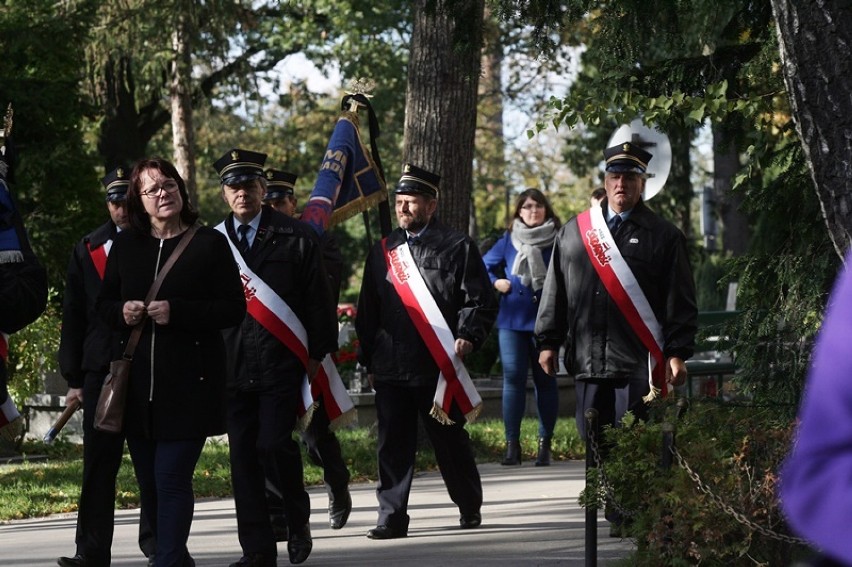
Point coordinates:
[(710, 364)]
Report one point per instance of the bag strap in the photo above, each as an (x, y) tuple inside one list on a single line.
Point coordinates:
[(135, 335)]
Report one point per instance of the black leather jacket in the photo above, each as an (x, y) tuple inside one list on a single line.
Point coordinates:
[(575, 304), (86, 340), (390, 346), (286, 255)]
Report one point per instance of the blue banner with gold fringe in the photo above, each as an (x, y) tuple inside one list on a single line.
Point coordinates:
[(350, 178)]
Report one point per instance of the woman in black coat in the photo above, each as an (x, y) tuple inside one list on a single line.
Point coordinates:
[(177, 382)]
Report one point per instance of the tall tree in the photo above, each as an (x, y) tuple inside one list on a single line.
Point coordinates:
[(816, 49), (180, 95), (440, 106)]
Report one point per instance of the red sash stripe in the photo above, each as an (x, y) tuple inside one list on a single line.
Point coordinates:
[(599, 258)]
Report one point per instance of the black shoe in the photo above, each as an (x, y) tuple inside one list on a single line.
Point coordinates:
[(543, 457), (513, 453), (300, 544), (470, 521), (76, 561), (339, 510), (255, 560), (386, 532), (279, 527)]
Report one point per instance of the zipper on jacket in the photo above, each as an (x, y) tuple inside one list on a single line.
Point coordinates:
[(153, 326)]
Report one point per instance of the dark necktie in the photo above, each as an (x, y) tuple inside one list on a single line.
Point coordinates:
[(616, 222), (243, 243), (413, 240)]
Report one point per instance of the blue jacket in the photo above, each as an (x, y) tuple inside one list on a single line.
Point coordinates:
[(518, 308)]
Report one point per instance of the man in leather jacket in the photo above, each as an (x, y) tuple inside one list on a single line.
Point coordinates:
[(265, 375), (604, 353), (401, 367)]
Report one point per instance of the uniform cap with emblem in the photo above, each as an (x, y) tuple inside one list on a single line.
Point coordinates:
[(417, 181), (626, 158), (238, 166), (116, 183), (279, 184)]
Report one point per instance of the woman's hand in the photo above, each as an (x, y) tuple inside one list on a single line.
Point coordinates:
[(134, 312), (503, 285), (159, 311)]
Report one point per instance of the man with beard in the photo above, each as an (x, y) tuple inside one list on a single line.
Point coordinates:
[(425, 303)]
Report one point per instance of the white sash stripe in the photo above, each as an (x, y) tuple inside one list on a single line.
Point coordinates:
[(626, 277)]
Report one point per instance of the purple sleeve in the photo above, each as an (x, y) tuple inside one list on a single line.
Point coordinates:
[(816, 479)]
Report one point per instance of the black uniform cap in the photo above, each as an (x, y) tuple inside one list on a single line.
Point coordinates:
[(279, 184), (626, 157), (238, 166), (417, 181), (116, 183)]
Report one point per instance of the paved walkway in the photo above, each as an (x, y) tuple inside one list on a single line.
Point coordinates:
[(530, 517)]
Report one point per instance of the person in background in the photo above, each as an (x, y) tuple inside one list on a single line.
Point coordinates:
[(290, 325), (281, 191), (320, 441), (597, 197), (395, 313), (619, 287), (517, 265), (84, 357), (23, 288), (816, 487), (176, 397)]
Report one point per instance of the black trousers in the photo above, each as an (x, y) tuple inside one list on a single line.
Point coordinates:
[(398, 408), (102, 453), (260, 434), (324, 451), (612, 398)]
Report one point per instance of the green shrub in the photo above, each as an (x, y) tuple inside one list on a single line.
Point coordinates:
[(735, 451), (32, 352)]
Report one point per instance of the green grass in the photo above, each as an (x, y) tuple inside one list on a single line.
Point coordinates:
[(42, 487)]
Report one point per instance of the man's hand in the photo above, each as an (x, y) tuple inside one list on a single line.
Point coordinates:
[(74, 394), (463, 347), (676, 371), (547, 360)]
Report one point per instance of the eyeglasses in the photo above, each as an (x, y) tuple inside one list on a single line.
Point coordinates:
[(532, 206), (169, 186)]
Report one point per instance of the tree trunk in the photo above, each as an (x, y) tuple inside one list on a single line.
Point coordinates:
[(183, 134), (815, 40), (119, 141), (490, 191), (726, 164), (440, 105)]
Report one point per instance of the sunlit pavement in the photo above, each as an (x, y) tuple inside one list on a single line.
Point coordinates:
[(530, 517)]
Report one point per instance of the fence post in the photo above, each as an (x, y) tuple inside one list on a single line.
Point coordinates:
[(666, 457), (591, 416)]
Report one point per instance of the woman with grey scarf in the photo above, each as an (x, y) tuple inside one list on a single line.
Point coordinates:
[(517, 265)]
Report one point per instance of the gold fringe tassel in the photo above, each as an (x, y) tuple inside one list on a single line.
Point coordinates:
[(440, 415), (305, 420)]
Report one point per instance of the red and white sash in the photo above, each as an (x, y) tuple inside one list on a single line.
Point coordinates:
[(99, 256), (454, 382), (625, 292), (274, 315)]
